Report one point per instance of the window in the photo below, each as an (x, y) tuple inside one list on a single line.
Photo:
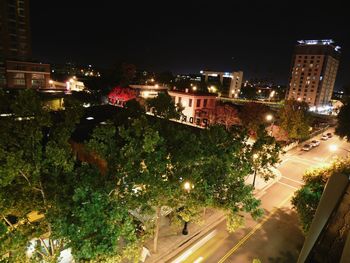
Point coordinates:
[(190, 103), (19, 82), (198, 103), (38, 76), (205, 102), (38, 83), (19, 76)]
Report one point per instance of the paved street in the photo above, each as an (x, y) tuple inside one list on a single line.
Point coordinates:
[(276, 237)]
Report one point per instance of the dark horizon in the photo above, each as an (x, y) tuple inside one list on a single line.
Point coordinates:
[(257, 38)]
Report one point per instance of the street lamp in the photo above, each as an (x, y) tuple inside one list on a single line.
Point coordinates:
[(334, 148), (269, 118), (255, 157), (187, 186)]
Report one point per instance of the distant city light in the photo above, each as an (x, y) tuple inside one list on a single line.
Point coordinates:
[(89, 118)]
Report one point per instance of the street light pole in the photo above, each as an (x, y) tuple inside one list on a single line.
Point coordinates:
[(254, 177), (334, 148), (187, 186), (185, 231), (269, 118)]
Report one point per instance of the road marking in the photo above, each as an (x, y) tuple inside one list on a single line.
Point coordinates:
[(258, 226), (196, 246), (200, 259), (304, 161), (288, 185), (290, 179)]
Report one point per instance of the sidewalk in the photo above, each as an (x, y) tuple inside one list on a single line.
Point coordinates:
[(171, 241)]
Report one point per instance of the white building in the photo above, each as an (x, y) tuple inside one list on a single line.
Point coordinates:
[(194, 103)]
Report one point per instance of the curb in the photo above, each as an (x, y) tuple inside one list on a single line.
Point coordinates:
[(189, 241)]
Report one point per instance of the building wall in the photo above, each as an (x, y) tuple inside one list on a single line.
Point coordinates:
[(328, 232), (329, 247), (236, 84), (15, 42), (193, 103), (27, 75), (313, 73)]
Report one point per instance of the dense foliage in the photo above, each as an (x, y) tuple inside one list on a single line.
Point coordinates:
[(152, 165), (306, 199), (294, 119), (343, 127)]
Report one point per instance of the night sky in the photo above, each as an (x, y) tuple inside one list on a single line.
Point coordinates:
[(187, 36)]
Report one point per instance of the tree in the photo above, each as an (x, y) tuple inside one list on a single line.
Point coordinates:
[(294, 118), (343, 126), (224, 114), (162, 164), (165, 78), (265, 154), (94, 221), (163, 106), (252, 115), (306, 199), (248, 93), (48, 196), (34, 153)]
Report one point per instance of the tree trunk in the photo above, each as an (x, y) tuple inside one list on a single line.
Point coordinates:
[(156, 230), (7, 221)]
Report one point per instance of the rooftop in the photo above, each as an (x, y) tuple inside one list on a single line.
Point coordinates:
[(191, 92)]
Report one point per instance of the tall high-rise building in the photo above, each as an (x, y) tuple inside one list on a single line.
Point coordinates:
[(236, 84), (313, 72), (15, 43), (17, 70)]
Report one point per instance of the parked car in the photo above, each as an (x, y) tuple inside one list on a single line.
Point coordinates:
[(324, 137), (307, 147), (315, 143), (329, 135)]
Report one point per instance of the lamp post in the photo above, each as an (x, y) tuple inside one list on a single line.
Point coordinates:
[(187, 186), (334, 148), (269, 117), (255, 157)]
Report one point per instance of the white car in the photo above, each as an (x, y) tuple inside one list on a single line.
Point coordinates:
[(307, 147), (315, 143), (324, 137)]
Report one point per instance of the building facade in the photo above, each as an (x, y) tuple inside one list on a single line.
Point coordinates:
[(195, 104), (313, 72), (234, 80), (236, 84), (15, 43), (21, 75)]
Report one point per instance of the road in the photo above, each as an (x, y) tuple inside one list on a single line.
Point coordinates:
[(277, 236)]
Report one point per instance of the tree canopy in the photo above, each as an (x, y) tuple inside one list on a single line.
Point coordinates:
[(343, 126), (252, 115), (153, 164), (306, 199), (294, 118)]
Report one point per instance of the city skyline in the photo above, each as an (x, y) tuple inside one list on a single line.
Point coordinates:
[(258, 38)]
